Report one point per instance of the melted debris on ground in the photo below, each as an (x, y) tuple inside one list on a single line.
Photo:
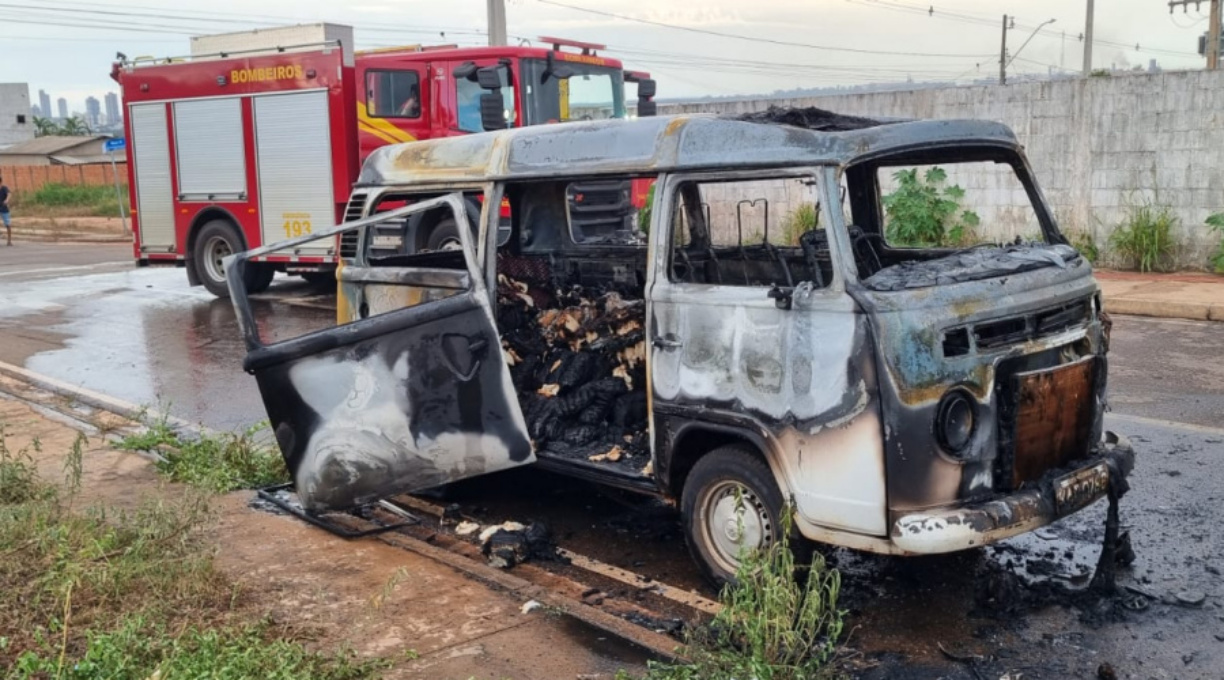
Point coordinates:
[(810, 118), (577, 360), (511, 543)]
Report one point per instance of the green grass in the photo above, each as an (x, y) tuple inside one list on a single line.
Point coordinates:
[(75, 200), (779, 621), (1215, 223), (1085, 244), (221, 463), (1144, 239), (116, 594)]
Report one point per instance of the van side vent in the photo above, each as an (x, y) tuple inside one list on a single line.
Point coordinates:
[(348, 240), (956, 342)]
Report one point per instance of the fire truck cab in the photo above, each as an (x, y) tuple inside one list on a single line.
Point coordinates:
[(237, 150)]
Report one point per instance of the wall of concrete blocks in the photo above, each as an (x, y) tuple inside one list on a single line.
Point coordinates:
[(1098, 146)]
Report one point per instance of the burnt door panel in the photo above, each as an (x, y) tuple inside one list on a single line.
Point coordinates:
[(400, 401)]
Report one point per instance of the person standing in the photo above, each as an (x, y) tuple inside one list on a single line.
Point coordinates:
[(5, 194)]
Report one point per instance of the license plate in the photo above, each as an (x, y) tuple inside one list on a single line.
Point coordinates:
[(1073, 491), (387, 242)]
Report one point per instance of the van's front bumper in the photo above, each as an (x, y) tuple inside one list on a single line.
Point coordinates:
[(969, 526)]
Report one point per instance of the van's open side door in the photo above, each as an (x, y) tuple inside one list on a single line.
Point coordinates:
[(405, 397)]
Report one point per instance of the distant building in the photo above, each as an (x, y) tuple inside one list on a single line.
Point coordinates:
[(57, 151), (93, 112), (16, 121), (62, 106), (112, 108), (34, 110), (44, 102)]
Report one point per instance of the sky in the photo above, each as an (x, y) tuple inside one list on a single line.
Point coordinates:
[(715, 47)]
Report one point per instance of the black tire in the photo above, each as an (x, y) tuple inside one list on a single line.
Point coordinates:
[(216, 239), (320, 279), (444, 236), (710, 487), (259, 277)]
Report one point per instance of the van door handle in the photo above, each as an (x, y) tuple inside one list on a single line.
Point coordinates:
[(668, 341)]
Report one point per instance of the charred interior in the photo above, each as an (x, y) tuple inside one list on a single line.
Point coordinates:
[(571, 314)]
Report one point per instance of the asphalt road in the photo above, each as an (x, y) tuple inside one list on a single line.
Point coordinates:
[(83, 314)]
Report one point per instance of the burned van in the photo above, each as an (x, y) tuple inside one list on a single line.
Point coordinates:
[(875, 324)]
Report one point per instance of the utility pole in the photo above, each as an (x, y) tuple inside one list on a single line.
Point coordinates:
[(1212, 48), (1088, 42), (1213, 37), (1062, 53), (497, 23), (1003, 54)]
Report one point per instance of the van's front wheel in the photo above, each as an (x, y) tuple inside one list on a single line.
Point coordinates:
[(730, 504)]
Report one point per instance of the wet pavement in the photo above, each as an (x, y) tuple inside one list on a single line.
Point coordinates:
[(143, 335)]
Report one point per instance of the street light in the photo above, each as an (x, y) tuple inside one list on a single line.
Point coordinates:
[(1026, 42)]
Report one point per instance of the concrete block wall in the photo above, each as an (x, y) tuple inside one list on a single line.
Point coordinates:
[(1096, 145)]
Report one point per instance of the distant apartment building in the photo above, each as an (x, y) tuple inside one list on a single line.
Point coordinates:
[(62, 106), (16, 121), (44, 103), (112, 108), (93, 112)]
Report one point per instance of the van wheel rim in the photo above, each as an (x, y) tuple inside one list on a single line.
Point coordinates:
[(451, 243), (734, 519), (216, 249)]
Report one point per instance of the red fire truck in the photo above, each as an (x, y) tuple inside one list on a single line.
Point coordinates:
[(233, 151)]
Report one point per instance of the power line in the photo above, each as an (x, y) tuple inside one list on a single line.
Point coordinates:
[(736, 36), (932, 12)]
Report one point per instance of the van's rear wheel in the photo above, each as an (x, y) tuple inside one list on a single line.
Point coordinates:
[(730, 504)]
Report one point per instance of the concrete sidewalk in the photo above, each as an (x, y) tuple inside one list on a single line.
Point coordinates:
[(1176, 296)]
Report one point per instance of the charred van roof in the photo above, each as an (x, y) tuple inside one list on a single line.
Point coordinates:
[(660, 144)]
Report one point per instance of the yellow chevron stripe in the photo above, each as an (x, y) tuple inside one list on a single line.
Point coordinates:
[(362, 127), (380, 127)]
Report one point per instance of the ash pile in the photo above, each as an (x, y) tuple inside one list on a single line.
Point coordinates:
[(577, 358)]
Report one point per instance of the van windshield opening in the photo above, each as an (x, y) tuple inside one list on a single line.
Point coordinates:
[(922, 221)]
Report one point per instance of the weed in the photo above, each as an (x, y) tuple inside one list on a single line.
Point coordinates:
[(139, 648), (229, 461), (128, 594), (1085, 244), (773, 625), (1215, 222), (72, 200), (644, 215), (805, 218), (1144, 238), (924, 213)]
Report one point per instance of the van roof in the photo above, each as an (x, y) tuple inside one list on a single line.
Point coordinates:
[(661, 144)]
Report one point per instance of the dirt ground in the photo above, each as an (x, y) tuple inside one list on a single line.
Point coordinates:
[(427, 619)]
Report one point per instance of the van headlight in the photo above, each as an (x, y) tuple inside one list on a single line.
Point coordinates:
[(955, 420)]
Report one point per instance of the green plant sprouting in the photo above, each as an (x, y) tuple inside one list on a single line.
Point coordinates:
[(922, 212), (1144, 239)]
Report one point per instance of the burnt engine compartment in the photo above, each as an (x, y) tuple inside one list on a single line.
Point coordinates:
[(573, 334)]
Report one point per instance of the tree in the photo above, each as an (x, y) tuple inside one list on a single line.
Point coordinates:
[(45, 127), (75, 127)]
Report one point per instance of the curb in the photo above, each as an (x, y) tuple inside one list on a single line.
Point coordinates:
[(1166, 309)]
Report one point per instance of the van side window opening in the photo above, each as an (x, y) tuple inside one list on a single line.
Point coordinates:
[(760, 232), (393, 94)]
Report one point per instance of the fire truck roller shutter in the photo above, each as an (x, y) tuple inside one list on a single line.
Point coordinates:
[(154, 190), (293, 152), (208, 138)]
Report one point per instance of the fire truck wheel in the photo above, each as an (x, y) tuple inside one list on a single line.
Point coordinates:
[(731, 503), (217, 240), (444, 236), (259, 277)]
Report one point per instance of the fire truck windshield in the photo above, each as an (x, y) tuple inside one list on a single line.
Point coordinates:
[(591, 93)]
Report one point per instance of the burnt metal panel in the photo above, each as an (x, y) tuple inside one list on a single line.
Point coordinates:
[(1053, 418)]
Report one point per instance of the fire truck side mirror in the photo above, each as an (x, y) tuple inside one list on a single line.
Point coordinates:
[(489, 78), (646, 88), (492, 111), (465, 71), (647, 108)]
